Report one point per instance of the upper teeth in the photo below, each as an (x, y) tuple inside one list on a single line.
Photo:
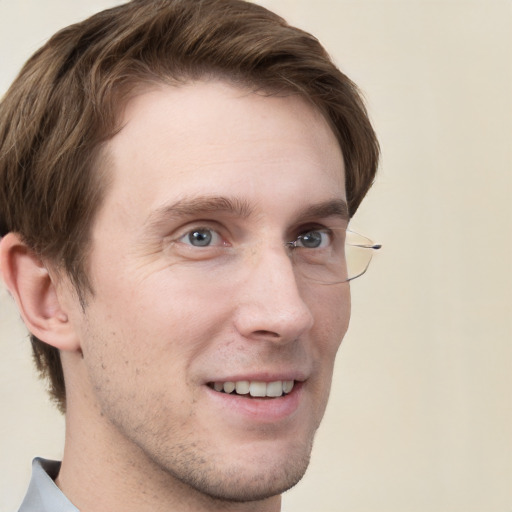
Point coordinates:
[(255, 388)]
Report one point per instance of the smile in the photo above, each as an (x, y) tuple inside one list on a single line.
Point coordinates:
[(254, 388)]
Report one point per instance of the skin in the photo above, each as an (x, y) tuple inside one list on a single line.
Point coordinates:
[(167, 318)]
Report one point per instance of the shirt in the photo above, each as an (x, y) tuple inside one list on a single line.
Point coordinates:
[(43, 495)]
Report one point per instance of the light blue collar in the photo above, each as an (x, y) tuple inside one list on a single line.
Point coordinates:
[(43, 495)]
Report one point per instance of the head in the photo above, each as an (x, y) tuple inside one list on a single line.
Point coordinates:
[(78, 106)]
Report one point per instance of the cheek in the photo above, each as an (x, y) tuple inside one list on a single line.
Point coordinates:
[(331, 310), (160, 324), (332, 316), (330, 307)]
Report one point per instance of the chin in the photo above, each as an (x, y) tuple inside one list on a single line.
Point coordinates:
[(252, 474), (245, 483)]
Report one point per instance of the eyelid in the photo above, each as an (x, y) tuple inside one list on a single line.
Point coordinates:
[(215, 233), (310, 226), (328, 232), (199, 225)]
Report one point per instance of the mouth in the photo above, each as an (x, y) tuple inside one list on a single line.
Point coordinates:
[(259, 401), (254, 389)]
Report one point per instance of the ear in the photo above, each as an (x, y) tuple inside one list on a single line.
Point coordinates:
[(36, 294)]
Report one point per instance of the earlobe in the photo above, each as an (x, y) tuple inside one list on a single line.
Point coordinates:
[(35, 293)]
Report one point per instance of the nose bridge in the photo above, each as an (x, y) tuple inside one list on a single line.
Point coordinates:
[(272, 303)]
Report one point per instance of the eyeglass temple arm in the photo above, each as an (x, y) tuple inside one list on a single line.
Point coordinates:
[(365, 246)]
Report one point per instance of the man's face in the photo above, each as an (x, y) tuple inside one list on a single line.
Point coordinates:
[(194, 289)]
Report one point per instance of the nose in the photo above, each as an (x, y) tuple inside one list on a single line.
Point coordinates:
[(271, 305)]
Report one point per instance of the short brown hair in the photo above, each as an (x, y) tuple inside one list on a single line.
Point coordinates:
[(65, 105)]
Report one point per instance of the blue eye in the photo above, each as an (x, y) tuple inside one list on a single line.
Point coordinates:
[(201, 237), (314, 239)]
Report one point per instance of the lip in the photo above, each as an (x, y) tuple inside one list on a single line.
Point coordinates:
[(257, 410), (296, 375)]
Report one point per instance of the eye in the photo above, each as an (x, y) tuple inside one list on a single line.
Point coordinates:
[(201, 237), (313, 239)]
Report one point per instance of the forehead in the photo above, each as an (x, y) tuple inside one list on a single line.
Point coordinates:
[(210, 138)]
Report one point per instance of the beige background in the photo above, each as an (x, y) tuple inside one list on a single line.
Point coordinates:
[(420, 418)]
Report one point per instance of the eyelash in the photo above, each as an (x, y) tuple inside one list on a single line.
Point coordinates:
[(302, 237), (182, 239), (197, 230)]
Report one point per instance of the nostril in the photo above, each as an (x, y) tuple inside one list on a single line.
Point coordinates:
[(268, 334)]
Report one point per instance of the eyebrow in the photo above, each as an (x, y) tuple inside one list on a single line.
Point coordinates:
[(332, 208), (198, 205), (203, 205)]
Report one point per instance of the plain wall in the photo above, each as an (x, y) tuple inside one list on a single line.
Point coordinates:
[(420, 416)]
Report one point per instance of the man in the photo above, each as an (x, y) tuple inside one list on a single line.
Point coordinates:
[(177, 178)]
